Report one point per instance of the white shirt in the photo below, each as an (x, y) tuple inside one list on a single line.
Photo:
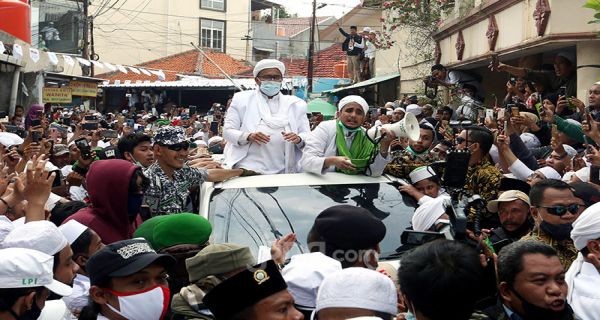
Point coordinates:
[(370, 50), (80, 296), (584, 297)]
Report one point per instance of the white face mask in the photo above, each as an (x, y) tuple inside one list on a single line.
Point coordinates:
[(147, 305)]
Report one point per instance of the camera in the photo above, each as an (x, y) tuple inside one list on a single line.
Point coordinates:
[(431, 82)]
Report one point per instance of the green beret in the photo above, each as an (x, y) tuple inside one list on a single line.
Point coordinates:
[(218, 259), (170, 230), (163, 122)]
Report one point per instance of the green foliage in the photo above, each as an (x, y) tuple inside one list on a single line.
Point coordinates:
[(594, 5)]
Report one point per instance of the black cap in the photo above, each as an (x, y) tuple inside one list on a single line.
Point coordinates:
[(123, 258), (586, 192), (349, 227), (244, 289), (514, 184)]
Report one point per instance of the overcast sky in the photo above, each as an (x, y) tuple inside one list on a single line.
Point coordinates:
[(303, 8)]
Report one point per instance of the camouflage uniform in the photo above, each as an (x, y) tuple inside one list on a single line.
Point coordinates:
[(567, 253), (404, 161), (483, 179)]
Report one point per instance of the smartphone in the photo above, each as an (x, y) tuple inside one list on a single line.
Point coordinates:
[(110, 134), (90, 126), (514, 111), (555, 131), (210, 118), (489, 113), (84, 146), (36, 122), (513, 81), (66, 121), (193, 110), (501, 114), (91, 118), (562, 91), (130, 123), (57, 179), (36, 136), (214, 127)]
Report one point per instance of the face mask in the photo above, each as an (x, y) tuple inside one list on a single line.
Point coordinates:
[(557, 231), (409, 316), (216, 149), (148, 305), (534, 312), (134, 203), (31, 314), (341, 124), (270, 88)]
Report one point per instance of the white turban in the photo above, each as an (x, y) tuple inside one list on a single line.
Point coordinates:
[(421, 173), (428, 212), (214, 139), (549, 173), (268, 64), (570, 151), (201, 143), (586, 227), (355, 99), (530, 140)]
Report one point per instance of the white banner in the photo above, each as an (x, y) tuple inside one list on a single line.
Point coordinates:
[(83, 61), (52, 58), (146, 72), (122, 69), (17, 51), (160, 74), (69, 60), (135, 70), (2, 48), (97, 64), (34, 55), (110, 66)]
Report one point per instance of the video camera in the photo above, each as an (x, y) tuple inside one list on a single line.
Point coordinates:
[(431, 86)]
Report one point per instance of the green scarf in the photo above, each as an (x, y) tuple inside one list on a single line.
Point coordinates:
[(361, 150)]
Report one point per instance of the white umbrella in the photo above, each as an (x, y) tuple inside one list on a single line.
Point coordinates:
[(10, 139)]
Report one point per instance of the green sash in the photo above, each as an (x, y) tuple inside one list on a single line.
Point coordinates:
[(360, 153)]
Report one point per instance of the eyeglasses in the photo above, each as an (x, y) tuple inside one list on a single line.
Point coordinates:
[(178, 146), (270, 78), (562, 210)]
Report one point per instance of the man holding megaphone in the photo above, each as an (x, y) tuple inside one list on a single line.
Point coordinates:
[(344, 145)]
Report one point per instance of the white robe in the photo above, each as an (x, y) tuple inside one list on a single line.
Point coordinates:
[(239, 124), (583, 280), (320, 144)]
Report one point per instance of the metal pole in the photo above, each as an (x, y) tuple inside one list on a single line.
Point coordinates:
[(93, 55), (85, 53), (14, 90), (218, 67), (311, 47)]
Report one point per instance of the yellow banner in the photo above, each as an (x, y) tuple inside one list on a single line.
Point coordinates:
[(84, 89), (57, 95)]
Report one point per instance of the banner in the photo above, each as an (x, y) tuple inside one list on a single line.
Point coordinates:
[(2, 48), (34, 55), (69, 60), (84, 89), (52, 58), (57, 95)]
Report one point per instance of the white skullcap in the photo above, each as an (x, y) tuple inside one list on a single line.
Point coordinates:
[(304, 275), (268, 64), (201, 143), (421, 173), (366, 29), (400, 109), (42, 236), (494, 154), (549, 173), (414, 109), (389, 104), (570, 151), (214, 139), (355, 99), (198, 135), (72, 230), (6, 226), (360, 288), (530, 140), (389, 113), (586, 227), (568, 176), (427, 213), (583, 174)]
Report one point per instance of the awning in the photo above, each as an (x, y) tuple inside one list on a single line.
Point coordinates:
[(62, 76), (263, 49), (366, 83), (262, 5)]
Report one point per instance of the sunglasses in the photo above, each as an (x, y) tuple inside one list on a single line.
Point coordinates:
[(562, 210), (179, 146)]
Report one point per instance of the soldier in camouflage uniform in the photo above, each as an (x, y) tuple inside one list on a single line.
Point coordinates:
[(414, 156), (170, 177)]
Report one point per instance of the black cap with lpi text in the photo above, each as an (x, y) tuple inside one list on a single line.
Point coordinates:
[(124, 258)]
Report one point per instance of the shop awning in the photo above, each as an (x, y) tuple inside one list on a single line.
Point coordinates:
[(366, 83), (61, 77)]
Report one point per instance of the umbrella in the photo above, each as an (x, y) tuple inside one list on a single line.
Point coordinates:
[(319, 105), (10, 139)]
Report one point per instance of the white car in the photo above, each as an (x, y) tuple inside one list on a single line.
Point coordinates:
[(256, 210)]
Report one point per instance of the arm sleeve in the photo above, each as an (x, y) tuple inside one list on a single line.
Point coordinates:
[(379, 164), (520, 150), (303, 124), (573, 131), (520, 170), (313, 156), (198, 175), (360, 44), (544, 77), (344, 33), (233, 123)]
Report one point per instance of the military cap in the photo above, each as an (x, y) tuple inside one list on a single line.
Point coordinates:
[(244, 290), (169, 135), (349, 227), (217, 259), (170, 230)]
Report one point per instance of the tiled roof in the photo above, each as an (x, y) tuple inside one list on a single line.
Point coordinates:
[(324, 62), (294, 26), (188, 62)]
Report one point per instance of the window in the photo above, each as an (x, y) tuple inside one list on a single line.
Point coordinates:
[(212, 34), (213, 4)]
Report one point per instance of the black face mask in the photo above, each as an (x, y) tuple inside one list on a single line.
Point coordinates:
[(557, 231), (533, 312), (216, 149)]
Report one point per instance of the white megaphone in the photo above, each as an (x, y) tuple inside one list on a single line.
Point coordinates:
[(407, 127)]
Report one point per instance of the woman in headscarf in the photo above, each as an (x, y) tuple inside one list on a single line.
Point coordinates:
[(35, 112)]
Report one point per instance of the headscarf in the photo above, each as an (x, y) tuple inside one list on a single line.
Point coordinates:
[(33, 114)]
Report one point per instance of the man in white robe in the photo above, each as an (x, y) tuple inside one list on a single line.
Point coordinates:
[(322, 153), (264, 129)]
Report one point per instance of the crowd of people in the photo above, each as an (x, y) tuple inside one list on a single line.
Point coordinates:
[(99, 211)]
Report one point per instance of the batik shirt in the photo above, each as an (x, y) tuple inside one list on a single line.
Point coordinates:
[(567, 253), (483, 179), (405, 161), (166, 196)]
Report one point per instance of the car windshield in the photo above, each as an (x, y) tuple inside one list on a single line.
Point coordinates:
[(257, 216)]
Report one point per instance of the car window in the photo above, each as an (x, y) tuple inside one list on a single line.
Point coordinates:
[(257, 216)]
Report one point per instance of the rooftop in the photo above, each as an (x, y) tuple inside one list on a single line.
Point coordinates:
[(324, 62), (294, 26), (188, 62)]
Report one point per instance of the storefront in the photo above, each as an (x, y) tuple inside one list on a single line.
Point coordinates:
[(70, 91)]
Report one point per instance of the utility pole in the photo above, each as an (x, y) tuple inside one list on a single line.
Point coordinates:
[(93, 54), (311, 47), (85, 53)]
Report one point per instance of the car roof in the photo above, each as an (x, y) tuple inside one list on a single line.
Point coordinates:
[(298, 179)]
